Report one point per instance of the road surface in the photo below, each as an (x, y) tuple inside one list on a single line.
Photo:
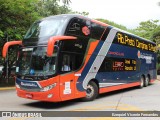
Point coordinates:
[(132, 99)]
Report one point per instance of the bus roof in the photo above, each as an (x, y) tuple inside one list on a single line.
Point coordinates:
[(70, 16)]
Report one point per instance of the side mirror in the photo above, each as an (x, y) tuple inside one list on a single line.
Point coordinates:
[(7, 45), (53, 40)]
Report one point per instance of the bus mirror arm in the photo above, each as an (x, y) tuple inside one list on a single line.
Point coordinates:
[(7, 45), (53, 40)]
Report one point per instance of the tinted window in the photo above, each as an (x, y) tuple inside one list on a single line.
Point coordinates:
[(75, 46), (48, 27), (78, 27), (76, 50), (97, 31)]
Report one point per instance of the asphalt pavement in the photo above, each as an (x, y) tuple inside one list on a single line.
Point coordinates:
[(132, 99)]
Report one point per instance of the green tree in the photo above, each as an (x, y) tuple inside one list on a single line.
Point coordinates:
[(151, 30), (81, 13), (156, 35), (113, 24), (66, 1), (15, 17), (147, 28), (52, 7)]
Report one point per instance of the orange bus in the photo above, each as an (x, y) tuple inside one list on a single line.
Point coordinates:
[(65, 57)]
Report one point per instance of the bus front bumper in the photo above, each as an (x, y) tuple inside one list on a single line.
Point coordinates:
[(50, 96)]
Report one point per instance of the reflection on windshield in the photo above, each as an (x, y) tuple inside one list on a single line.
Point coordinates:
[(45, 28), (33, 61)]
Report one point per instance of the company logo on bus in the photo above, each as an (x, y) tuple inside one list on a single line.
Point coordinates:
[(85, 30), (28, 84), (147, 57)]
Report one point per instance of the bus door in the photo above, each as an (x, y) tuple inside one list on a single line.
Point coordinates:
[(67, 78)]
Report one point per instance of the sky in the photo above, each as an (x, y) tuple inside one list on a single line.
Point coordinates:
[(125, 12)]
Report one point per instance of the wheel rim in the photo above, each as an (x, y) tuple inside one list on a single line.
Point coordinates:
[(147, 81), (89, 91), (142, 82)]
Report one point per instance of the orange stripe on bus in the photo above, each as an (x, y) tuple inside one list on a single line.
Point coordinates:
[(52, 40), (98, 22), (103, 33)]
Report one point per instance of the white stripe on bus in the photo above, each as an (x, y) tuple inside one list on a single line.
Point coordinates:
[(109, 84), (100, 57)]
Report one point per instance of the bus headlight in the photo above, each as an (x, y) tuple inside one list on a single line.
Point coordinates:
[(48, 87), (17, 85)]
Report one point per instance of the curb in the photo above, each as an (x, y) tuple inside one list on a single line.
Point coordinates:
[(7, 88)]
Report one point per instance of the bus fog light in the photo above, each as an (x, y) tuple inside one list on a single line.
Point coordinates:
[(50, 95), (48, 87)]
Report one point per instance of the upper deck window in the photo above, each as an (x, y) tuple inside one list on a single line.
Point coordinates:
[(48, 27), (85, 28), (79, 27)]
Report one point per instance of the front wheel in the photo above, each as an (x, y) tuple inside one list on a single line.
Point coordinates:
[(91, 91)]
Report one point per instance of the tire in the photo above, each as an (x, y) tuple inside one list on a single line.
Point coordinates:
[(149, 83), (91, 91), (141, 82), (146, 82)]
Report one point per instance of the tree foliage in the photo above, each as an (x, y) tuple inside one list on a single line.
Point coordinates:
[(146, 29), (113, 24), (52, 7), (80, 13), (16, 16)]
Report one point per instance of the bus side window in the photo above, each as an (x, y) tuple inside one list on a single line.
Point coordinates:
[(66, 63), (71, 62), (106, 65), (78, 61), (97, 31)]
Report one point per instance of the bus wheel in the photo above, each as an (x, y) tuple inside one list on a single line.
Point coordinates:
[(91, 91), (141, 82), (146, 82)]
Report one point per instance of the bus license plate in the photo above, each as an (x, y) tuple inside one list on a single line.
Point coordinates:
[(29, 95)]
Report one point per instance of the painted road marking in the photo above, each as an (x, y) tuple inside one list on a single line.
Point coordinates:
[(111, 106), (121, 107)]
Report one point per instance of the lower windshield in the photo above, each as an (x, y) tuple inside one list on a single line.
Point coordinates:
[(34, 61)]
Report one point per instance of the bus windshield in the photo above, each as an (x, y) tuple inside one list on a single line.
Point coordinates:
[(45, 28), (34, 61)]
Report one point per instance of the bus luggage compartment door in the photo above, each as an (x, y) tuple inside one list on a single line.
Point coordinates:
[(67, 86)]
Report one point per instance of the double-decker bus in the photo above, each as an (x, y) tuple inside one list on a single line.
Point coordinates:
[(65, 57)]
